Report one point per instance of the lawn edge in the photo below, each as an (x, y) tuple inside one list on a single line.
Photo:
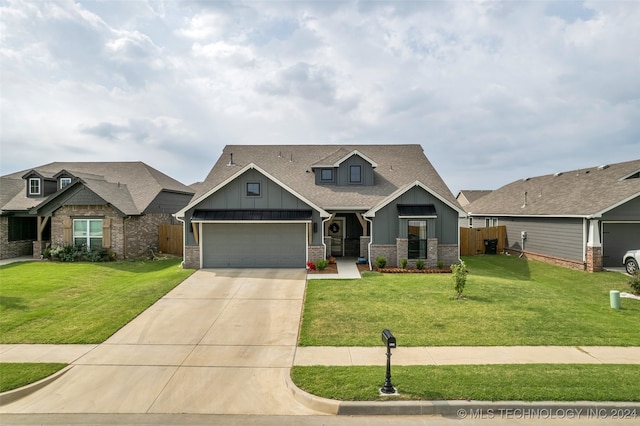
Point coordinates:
[(16, 394)]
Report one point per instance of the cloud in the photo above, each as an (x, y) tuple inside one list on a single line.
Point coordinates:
[(477, 84)]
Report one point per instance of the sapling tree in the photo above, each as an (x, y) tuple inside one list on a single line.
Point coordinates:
[(459, 277)]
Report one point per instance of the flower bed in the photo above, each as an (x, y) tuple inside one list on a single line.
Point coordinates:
[(413, 271)]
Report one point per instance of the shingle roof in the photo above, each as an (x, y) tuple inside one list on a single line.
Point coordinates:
[(584, 192), (397, 167), (474, 194), (129, 186)]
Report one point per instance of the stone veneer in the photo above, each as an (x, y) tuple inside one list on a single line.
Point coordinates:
[(565, 263), (315, 252), (594, 259)]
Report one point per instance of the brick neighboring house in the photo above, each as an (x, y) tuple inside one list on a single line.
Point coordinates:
[(280, 206), (118, 205), (583, 219)]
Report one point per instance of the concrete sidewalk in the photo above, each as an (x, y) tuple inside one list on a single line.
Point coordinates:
[(347, 269)]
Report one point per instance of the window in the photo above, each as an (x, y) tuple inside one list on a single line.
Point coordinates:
[(64, 182), (253, 189), (326, 174), (34, 186), (490, 221), (87, 232), (355, 174), (417, 235)]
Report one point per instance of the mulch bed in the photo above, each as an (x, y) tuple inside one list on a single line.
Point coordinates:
[(330, 269)]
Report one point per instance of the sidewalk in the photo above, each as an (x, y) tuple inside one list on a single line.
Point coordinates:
[(347, 269)]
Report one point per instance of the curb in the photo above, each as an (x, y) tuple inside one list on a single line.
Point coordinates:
[(15, 394), (462, 409)]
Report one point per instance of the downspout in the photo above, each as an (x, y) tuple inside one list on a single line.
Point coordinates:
[(184, 237), (370, 241)]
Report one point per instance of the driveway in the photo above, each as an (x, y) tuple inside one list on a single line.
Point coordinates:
[(222, 342)]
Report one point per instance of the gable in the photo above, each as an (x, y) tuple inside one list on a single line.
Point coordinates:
[(80, 195)]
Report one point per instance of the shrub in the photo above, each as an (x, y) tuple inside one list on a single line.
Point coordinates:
[(321, 264), (71, 253), (420, 264), (403, 263), (311, 266), (440, 264), (381, 262), (459, 277), (634, 282), (66, 253)]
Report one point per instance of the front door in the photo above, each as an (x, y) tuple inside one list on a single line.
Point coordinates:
[(336, 232)]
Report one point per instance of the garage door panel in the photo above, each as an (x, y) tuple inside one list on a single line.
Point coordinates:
[(254, 245), (617, 238)]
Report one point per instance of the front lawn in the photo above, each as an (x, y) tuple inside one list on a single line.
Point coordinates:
[(523, 382), (16, 375), (50, 302), (509, 301)]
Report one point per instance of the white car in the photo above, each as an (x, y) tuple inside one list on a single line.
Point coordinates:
[(631, 260)]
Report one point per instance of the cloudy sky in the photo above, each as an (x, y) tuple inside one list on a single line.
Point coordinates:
[(493, 91)]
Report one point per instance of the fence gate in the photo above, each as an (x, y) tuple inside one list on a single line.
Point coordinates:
[(170, 239), (472, 239)]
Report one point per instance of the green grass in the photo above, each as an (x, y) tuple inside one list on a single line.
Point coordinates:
[(509, 301), (13, 376), (50, 302), (524, 382)]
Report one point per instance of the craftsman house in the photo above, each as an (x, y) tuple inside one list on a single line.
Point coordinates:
[(118, 205), (584, 219), (281, 206)]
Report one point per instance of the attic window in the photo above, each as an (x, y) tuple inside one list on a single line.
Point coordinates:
[(253, 189), (326, 175), (34, 186), (64, 182), (355, 174)]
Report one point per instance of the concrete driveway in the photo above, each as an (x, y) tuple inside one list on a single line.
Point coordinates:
[(222, 342)]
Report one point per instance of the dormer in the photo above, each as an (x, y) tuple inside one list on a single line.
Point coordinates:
[(345, 168), (39, 185), (63, 178)]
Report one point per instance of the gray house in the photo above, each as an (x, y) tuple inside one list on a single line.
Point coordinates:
[(584, 219), (118, 205), (281, 206)]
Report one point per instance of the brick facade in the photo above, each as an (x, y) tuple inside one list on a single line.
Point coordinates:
[(565, 263), (315, 252), (364, 247), (191, 257), (594, 259), (142, 232), (448, 254), (9, 249), (388, 251)]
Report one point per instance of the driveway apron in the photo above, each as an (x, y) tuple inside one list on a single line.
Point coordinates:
[(222, 342)]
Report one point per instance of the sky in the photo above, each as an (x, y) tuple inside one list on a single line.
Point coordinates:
[(494, 91)]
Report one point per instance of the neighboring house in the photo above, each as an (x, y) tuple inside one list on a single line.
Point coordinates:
[(466, 197), (118, 205), (281, 206), (584, 219)]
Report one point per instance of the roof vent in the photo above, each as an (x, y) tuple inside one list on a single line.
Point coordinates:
[(602, 167), (231, 163), (525, 200), (558, 174), (525, 179)]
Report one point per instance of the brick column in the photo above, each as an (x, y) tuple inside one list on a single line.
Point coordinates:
[(594, 259)]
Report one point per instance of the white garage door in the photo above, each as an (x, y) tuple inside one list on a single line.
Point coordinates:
[(254, 245)]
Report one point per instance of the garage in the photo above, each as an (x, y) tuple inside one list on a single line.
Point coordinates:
[(617, 238), (254, 245)]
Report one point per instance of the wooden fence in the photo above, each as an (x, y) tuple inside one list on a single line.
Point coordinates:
[(472, 239), (170, 239)]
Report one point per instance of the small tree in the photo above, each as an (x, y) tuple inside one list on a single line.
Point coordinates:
[(459, 277), (634, 282), (381, 262)]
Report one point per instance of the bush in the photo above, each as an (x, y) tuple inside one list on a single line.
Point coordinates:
[(321, 264), (66, 253), (71, 253), (440, 264), (420, 264), (459, 277), (403, 263), (381, 262), (634, 282)]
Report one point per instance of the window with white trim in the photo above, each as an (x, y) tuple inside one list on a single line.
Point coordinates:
[(490, 221), (34, 186), (87, 232), (64, 182)]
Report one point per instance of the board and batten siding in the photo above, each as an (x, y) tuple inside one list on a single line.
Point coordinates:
[(233, 196), (386, 225), (557, 237)]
